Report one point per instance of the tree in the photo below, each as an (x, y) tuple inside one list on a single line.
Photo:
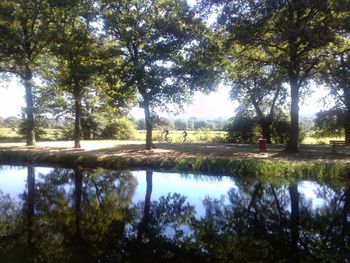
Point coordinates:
[(200, 124), (122, 129), (12, 122), (75, 54), (329, 123), (335, 73), (2, 123), (141, 124), (26, 31), (290, 34), (246, 128), (158, 40), (243, 129), (180, 124), (260, 86)]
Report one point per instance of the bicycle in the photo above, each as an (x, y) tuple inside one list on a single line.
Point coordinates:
[(164, 139), (181, 139)]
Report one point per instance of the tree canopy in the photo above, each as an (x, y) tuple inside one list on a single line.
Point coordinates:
[(107, 56), (157, 40)]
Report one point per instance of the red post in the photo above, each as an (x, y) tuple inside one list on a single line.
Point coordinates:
[(262, 145)]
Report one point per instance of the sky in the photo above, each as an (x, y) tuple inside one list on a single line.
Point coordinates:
[(210, 106), (11, 98)]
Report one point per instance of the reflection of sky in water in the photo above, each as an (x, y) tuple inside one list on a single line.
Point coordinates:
[(308, 190), (196, 189), (13, 181)]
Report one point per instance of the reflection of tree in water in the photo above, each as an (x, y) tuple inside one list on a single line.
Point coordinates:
[(88, 216), (275, 223), (94, 212), (161, 234), (17, 231), (78, 215)]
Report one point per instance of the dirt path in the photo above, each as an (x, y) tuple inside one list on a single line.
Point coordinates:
[(127, 149)]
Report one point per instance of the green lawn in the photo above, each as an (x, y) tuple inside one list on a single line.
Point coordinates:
[(195, 136), (140, 135), (12, 134), (324, 140), (9, 133)]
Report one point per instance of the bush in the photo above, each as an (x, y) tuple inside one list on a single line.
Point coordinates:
[(243, 130), (329, 123), (280, 131), (65, 133), (120, 129), (39, 131)]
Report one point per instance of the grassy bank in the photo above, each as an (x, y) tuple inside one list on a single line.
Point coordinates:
[(183, 163)]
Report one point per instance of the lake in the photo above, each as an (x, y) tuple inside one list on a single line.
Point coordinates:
[(97, 215)]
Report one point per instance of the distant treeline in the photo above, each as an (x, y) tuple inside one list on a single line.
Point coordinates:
[(9, 122), (218, 124)]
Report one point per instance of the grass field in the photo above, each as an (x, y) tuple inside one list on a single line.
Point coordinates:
[(9, 133), (194, 136), (208, 136), (12, 134), (324, 140)]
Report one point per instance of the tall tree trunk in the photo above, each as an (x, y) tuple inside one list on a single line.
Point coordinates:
[(346, 90), (293, 75), (30, 211), (77, 106), (265, 125), (30, 118), (294, 222), (78, 181), (347, 126), (148, 121), (146, 216), (292, 145)]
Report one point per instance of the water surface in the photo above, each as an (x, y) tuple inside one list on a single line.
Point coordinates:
[(77, 215)]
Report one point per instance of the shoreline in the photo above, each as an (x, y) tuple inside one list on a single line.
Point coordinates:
[(312, 161)]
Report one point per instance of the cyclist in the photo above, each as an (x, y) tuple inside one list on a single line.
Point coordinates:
[(165, 134), (184, 135)]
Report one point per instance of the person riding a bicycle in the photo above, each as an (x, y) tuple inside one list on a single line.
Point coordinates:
[(165, 134), (184, 135)]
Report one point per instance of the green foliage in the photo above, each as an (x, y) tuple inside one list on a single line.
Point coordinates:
[(39, 130), (290, 36), (120, 129), (329, 124), (2, 123), (162, 45), (12, 122), (26, 33), (180, 124), (65, 133), (243, 129), (280, 131)]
